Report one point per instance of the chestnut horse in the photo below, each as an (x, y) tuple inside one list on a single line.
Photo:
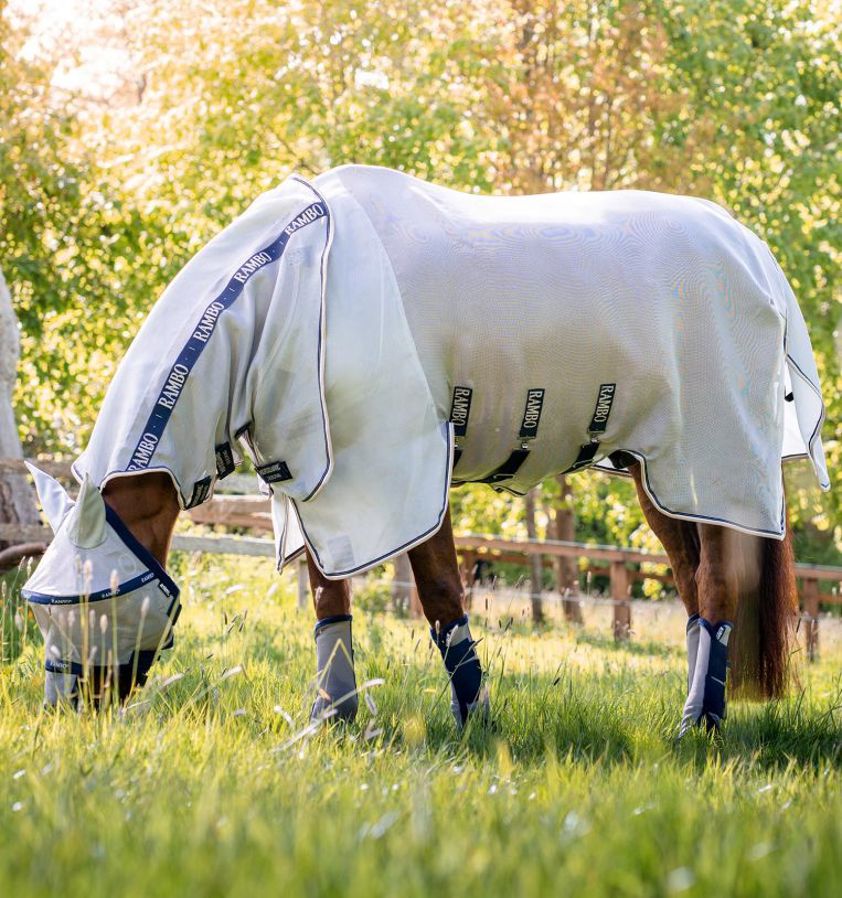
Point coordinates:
[(369, 338)]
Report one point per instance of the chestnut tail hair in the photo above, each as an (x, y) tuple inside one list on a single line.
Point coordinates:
[(764, 628)]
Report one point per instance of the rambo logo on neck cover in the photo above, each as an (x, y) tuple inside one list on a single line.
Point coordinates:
[(189, 355)]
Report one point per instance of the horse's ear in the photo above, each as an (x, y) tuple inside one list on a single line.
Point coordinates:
[(52, 495), (86, 524)]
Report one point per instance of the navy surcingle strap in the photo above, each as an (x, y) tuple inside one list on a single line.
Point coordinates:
[(598, 425), (203, 331), (460, 412), (528, 431)]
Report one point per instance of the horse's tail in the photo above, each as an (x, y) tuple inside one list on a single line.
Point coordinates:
[(765, 625)]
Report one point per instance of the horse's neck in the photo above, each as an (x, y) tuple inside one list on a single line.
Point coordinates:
[(148, 505)]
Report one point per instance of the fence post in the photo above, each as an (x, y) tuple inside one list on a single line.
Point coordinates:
[(810, 602), (466, 571), (620, 594), (404, 590)]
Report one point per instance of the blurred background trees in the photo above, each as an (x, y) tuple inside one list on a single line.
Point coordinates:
[(130, 132)]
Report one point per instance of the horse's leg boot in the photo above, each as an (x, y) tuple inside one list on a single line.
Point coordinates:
[(693, 627), (706, 698), (61, 687), (336, 683), (468, 695)]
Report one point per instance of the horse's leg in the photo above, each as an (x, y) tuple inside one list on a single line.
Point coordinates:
[(337, 685), (729, 572), (439, 583), (148, 505), (680, 540)]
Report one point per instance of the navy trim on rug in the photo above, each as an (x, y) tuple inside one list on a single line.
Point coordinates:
[(143, 554), (42, 598), (177, 378)]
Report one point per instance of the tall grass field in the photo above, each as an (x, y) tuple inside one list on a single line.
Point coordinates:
[(212, 784)]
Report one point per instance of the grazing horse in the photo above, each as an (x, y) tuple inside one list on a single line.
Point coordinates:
[(368, 339)]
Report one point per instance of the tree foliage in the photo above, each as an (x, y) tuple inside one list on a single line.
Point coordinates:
[(103, 199)]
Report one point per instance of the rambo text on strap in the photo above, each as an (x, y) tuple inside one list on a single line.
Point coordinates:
[(599, 422), (460, 411), (528, 431)]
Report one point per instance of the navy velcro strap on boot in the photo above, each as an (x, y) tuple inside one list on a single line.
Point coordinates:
[(714, 701), (458, 650)]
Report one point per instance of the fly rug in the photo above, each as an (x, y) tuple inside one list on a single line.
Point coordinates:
[(368, 338)]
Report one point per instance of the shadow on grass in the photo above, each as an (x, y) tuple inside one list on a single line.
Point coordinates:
[(778, 733), (589, 717)]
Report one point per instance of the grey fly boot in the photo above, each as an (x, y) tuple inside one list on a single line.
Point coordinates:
[(336, 683), (706, 698), (693, 627)]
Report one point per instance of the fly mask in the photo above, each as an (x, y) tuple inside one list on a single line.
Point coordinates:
[(104, 604)]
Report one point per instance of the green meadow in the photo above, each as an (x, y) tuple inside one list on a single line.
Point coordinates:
[(212, 784)]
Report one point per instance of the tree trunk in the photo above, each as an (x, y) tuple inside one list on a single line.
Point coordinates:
[(17, 498), (536, 562), (566, 569)]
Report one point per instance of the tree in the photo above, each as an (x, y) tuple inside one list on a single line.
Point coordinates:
[(17, 500), (535, 562), (103, 201)]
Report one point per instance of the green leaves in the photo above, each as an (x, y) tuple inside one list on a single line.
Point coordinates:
[(735, 100)]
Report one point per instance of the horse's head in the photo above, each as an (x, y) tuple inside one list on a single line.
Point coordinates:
[(104, 604)]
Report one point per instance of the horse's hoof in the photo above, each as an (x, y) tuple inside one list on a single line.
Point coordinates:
[(478, 712), (711, 722)]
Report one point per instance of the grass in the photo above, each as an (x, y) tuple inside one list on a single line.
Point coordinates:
[(206, 787)]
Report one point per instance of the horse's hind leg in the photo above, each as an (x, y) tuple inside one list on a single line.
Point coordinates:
[(680, 540), (729, 572), (439, 583), (336, 682)]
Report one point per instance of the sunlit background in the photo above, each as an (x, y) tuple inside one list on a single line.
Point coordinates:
[(132, 131)]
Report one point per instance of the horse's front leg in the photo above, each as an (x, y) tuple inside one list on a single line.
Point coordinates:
[(439, 583), (336, 682)]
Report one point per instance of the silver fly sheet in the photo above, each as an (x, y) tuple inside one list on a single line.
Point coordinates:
[(370, 336)]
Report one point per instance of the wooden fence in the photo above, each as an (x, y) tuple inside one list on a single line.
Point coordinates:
[(622, 566)]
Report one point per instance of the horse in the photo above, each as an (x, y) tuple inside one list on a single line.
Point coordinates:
[(370, 339)]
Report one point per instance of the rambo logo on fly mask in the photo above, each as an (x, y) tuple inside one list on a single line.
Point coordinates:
[(104, 604)]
